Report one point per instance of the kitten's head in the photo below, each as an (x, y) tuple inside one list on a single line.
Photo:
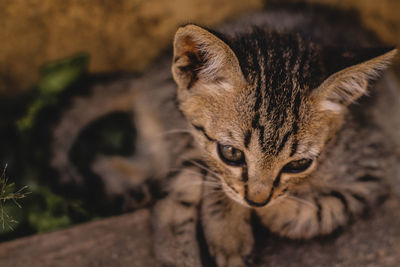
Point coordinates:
[(264, 105)]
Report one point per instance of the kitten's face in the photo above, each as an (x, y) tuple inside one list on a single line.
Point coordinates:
[(258, 155), (261, 133)]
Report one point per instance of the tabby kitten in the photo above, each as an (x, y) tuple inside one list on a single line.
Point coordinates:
[(276, 137)]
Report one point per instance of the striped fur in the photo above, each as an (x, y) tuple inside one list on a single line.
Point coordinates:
[(274, 95), (286, 100)]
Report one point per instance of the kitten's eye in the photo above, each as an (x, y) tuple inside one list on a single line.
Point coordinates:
[(297, 166), (231, 155)]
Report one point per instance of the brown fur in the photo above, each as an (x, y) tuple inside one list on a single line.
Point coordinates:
[(218, 92), (277, 96)]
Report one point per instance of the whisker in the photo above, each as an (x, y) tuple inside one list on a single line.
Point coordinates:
[(209, 178), (210, 192), (187, 184), (212, 184), (303, 201), (205, 168), (212, 177)]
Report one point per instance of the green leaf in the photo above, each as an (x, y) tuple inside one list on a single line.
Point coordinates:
[(55, 78), (60, 74)]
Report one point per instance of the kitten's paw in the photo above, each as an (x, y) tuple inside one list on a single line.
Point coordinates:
[(234, 251), (228, 231), (174, 222), (224, 260)]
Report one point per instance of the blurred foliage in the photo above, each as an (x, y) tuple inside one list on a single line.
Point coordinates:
[(55, 78), (8, 196), (45, 209), (25, 130), (50, 214)]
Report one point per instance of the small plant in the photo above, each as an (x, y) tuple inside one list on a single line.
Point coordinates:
[(8, 193)]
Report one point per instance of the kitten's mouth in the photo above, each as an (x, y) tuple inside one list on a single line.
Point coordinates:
[(257, 204)]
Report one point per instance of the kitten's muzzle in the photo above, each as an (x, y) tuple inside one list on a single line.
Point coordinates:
[(257, 204), (259, 195), (258, 198)]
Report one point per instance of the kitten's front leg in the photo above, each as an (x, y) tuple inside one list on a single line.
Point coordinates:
[(319, 209), (174, 221), (227, 228)]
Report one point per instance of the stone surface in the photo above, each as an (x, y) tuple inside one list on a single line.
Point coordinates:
[(126, 241), (118, 241)]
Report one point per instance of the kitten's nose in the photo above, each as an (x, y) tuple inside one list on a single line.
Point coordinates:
[(257, 195)]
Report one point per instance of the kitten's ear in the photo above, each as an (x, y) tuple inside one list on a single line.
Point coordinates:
[(202, 57), (352, 70)]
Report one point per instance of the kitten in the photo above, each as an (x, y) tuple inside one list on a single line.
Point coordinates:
[(274, 135), (270, 116)]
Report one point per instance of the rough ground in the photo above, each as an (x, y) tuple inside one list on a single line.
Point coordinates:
[(126, 241), (119, 241)]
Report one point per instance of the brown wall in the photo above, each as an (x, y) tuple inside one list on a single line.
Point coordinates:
[(382, 16), (123, 35)]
